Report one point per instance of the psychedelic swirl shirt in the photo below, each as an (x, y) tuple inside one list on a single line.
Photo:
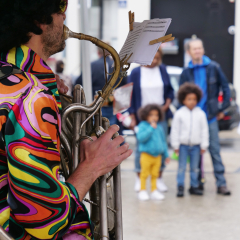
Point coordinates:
[(34, 204)]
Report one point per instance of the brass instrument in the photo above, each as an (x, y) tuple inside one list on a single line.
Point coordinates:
[(4, 235), (79, 122)]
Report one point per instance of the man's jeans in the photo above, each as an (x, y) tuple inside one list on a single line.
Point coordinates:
[(193, 152), (214, 149)]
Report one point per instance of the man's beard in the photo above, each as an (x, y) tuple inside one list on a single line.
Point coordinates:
[(53, 40)]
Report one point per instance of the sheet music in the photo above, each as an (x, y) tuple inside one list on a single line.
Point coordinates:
[(132, 38), (138, 40)]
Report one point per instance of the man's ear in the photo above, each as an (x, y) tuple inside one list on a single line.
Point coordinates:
[(42, 26)]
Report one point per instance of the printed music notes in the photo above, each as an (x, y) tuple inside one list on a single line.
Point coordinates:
[(137, 42)]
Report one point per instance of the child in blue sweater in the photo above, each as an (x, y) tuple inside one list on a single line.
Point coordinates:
[(152, 146)]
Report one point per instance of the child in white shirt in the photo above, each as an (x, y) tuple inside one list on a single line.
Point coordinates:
[(189, 136)]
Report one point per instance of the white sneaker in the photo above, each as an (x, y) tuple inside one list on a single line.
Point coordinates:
[(137, 186), (143, 195), (156, 195), (161, 185)]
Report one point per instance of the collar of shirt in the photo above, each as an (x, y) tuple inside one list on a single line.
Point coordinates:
[(28, 61), (205, 61)]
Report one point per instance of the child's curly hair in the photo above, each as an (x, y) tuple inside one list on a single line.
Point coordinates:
[(144, 112), (188, 88)]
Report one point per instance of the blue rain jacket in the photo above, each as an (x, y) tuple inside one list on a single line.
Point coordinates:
[(152, 140)]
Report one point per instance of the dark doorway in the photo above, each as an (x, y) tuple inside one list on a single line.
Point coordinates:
[(208, 19)]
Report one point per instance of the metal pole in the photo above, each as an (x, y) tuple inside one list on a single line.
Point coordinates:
[(85, 54), (101, 19), (103, 209), (76, 127), (118, 203)]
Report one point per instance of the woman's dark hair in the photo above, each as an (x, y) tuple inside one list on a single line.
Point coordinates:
[(18, 18), (144, 112), (188, 88)]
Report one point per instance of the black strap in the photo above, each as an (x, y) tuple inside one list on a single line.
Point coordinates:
[(6, 71)]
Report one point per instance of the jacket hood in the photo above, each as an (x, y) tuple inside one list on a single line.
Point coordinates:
[(206, 61)]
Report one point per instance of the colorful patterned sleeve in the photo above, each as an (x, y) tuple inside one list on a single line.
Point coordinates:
[(41, 207)]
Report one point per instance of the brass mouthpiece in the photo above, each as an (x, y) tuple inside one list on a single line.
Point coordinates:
[(69, 34), (66, 32)]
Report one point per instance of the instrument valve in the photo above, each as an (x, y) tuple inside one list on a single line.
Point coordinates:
[(99, 131)]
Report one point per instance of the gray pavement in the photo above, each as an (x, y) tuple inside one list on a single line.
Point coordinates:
[(192, 217)]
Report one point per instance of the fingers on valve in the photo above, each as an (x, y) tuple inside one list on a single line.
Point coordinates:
[(118, 140), (84, 142), (125, 155), (94, 138), (89, 140), (123, 149), (66, 89), (111, 131)]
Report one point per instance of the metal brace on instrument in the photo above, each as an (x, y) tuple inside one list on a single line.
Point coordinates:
[(99, 131), (122, 74)]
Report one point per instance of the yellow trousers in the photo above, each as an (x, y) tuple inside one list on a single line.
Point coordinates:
[(150, 165)]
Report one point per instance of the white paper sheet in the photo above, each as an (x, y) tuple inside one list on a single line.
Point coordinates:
[(131, 40), (137, 41)]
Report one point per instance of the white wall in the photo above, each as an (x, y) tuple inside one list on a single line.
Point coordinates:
[(73, 45), (110, 22), (72, 53), (94, 29), (141, 9)]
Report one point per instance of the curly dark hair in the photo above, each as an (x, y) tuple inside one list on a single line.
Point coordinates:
[(18, 18), (144, 112), (188, 88)]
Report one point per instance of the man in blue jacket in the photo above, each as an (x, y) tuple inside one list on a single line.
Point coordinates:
[(208, 75)]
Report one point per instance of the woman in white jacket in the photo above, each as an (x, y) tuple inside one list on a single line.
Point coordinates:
[(189, 136)]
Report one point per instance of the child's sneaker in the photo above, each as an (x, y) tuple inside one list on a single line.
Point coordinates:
[(137, 186), (161, 185), (156, 195), (180, 192), (143, 195)]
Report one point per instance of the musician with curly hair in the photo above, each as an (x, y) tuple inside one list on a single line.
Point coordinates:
[(34, 204)]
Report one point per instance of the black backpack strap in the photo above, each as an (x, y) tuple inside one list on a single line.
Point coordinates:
[(7, 70)]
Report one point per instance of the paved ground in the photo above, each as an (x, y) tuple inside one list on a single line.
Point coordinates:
[(190, 218)]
